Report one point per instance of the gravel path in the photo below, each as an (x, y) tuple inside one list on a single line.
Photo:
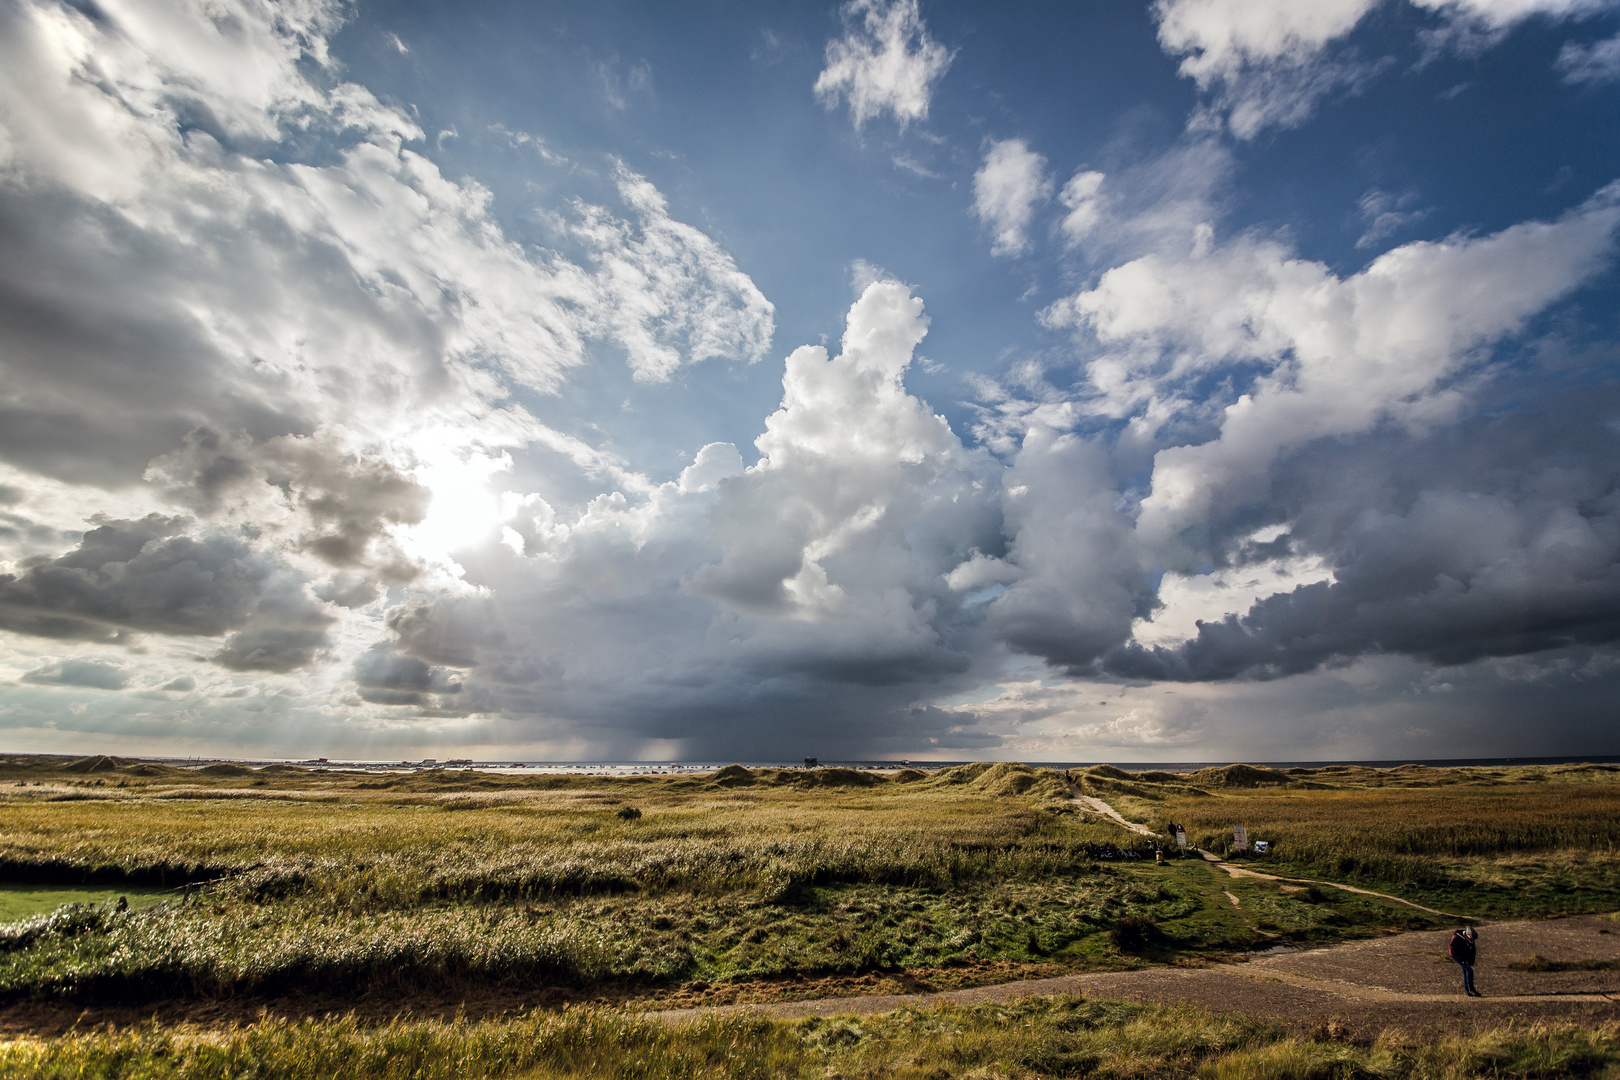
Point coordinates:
[(1401, 979)]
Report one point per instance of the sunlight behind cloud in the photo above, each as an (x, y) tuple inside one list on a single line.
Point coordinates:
[(357, 391), (464, 509)]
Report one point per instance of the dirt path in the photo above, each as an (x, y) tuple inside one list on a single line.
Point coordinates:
[(1097, 806), (1243, 871), (1404, 979)]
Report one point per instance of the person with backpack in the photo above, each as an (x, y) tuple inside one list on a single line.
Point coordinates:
[(1462, 950)]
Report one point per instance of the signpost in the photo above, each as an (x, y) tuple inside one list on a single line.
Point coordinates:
[(1181, 838), (1240, 838)]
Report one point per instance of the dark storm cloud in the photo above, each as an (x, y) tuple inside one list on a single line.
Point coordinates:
[(95, 674), (287, 630), (453, 632), (346, 502), (1080, 583), (909, 663), (1498, 538), (144, 575), (720, 715), (150, 576), (386, 678), (102, 369)]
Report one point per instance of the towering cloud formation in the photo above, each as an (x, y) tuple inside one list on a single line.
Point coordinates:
[(814, 583), (241, 291), (278, 434)]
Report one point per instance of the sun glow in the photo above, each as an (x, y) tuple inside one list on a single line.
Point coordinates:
[(464, 510)]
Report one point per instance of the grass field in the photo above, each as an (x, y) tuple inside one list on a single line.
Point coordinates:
[(1029, 1039), (249, 885), (1505, 842), (362, 883)]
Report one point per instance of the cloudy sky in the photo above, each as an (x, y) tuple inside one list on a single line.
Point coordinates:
[(1192, 379)]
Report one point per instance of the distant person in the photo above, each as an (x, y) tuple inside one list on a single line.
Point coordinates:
[(1462, 950)]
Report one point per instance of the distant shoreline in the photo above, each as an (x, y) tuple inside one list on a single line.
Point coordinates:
[(630, 768)]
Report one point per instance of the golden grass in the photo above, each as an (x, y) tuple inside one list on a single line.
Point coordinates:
[(397, 884), (1531, 840), (450, 879), (1023, 1040)]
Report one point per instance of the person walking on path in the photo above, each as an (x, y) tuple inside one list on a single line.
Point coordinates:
[(1462, 950)]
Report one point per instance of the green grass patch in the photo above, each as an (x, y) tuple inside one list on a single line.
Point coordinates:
[(26, 901)]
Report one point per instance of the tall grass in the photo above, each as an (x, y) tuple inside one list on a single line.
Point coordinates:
[(1427, 838), (738, 875), (1048, 1037), (378, 855), (216, 947), (102, 954), (362, 883)]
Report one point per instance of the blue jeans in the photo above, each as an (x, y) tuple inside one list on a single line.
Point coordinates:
[(1468, 977)]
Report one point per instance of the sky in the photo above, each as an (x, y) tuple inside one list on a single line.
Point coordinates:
[(1172, 381)]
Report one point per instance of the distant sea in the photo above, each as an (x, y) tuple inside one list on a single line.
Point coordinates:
[(895, 763)]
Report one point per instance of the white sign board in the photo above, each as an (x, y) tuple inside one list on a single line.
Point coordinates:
[(1181, 838), (1240, 838), (1261, 847)]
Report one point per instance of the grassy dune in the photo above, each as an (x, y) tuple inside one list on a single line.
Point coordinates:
[(361, 883), (1500, 842), (742, 884)]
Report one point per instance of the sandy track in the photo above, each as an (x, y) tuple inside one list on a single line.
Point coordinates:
[(1243, 871), (1401, 979), (1097, 806)]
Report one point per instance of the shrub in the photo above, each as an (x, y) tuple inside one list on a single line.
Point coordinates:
[(1133, 933)]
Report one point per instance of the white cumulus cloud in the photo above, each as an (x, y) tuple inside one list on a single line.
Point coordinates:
[(1083, 195), (1260, 61), (1335, 355), (885, 62), (1006, 189), (1268, 63)]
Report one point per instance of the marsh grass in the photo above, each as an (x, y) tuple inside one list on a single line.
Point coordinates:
[(419, 882), (358, 883), (1022, 1040), (1499, 841), (1502, 849)]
